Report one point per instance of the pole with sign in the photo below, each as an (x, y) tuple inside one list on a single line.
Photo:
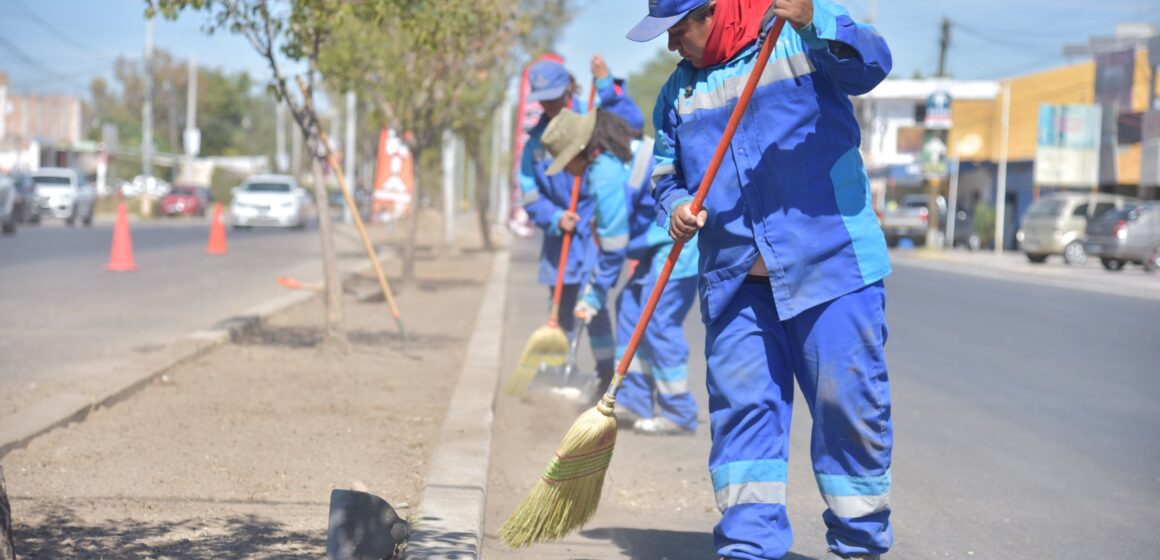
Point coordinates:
[(937, 122)]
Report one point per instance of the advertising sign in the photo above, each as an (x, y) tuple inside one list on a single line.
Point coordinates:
[(1068, 147)]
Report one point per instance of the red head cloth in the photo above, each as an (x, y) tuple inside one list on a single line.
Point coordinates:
[(736, 24)]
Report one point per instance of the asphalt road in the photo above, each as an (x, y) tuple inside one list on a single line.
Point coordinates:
[(1026, 428), (64, 320)]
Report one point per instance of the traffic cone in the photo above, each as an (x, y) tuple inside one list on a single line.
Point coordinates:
[(121, 255), (217, 233)]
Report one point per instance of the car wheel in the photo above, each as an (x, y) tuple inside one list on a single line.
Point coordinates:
[(973, 243), (71, 220), (1115, 265), (1073, 254), (88, 221), (1152, 263), (1037, 259), (9, 226)]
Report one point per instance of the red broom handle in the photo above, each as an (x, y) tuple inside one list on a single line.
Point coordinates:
[(702, 192), (554, 319)]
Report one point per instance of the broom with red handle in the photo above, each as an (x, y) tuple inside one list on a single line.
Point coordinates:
[(548, 345)]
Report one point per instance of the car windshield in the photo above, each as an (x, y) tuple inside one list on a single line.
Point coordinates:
[(1046, 207), (268, 187), (51, 180), (183, 191)]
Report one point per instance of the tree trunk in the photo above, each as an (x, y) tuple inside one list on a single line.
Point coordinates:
[(7, 544), (412, 233), (482, 200), (331, 280)]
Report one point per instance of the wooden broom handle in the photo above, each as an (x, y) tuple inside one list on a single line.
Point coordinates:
[(702, 192), (324, 143), (554, 319)]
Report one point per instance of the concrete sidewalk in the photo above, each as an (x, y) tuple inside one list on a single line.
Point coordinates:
[(1132, 281), (234, 454)]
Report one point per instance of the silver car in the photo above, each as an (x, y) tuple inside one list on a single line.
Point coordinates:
[(64, 194), (1131, 235), (1054, 225)]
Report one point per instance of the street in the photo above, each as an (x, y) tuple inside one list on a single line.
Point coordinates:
[(64, 319), (1024, 429)]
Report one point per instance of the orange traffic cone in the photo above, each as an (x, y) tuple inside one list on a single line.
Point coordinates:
[(121, 255), (217, 233)]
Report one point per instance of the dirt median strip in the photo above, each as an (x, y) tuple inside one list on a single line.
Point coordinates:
[(234, 453)]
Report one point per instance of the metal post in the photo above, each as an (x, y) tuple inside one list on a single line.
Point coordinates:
[(953, 203), (503, 206), (1001, 194), (147, 109), (494, 184), (448, 186), (281, 159), (348, 159)]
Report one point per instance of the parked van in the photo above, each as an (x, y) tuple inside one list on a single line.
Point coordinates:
[(1054, 225)]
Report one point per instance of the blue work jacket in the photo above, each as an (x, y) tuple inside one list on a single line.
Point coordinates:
[(792, 188)]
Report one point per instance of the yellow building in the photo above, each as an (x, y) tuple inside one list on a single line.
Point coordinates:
[(978, 124)]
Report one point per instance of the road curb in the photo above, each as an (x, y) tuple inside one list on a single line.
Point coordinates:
[(450, 523)]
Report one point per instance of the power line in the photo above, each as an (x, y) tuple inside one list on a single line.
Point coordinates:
[(39, 21), (31, 62)]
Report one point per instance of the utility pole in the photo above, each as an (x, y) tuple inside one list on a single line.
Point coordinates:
[(1001, 194), (147, 109), (944, 44), (191, 138)]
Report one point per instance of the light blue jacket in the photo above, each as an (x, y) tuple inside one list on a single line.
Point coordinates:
[(792, 187)]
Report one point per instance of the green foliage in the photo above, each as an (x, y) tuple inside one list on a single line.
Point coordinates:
[(984, 223), (235, 117), (645, 84)]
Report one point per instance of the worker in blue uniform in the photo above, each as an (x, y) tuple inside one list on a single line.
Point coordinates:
[(546, 198), (792, 260), (655, 392)]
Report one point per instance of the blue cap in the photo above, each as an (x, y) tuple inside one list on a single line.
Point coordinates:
[(662, 14), (549, 80)]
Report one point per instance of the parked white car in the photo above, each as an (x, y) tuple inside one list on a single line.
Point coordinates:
[(63, 193), (269, 200)]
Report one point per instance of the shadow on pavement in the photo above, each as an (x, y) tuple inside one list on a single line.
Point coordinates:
[(667, 545), (62, 535), (310, 337)]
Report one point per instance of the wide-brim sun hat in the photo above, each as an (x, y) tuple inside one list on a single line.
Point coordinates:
[(566, 137)]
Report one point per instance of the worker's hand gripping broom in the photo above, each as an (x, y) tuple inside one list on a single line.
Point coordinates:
[(548, 345), (568, 491)]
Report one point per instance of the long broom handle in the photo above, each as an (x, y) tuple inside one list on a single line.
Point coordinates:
[(554, 318), (362, 231), (699, 199)]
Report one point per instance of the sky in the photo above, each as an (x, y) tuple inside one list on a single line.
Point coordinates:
[(58, 46)]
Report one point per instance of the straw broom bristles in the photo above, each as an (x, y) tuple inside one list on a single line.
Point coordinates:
[(568, 492), (547, 346)]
